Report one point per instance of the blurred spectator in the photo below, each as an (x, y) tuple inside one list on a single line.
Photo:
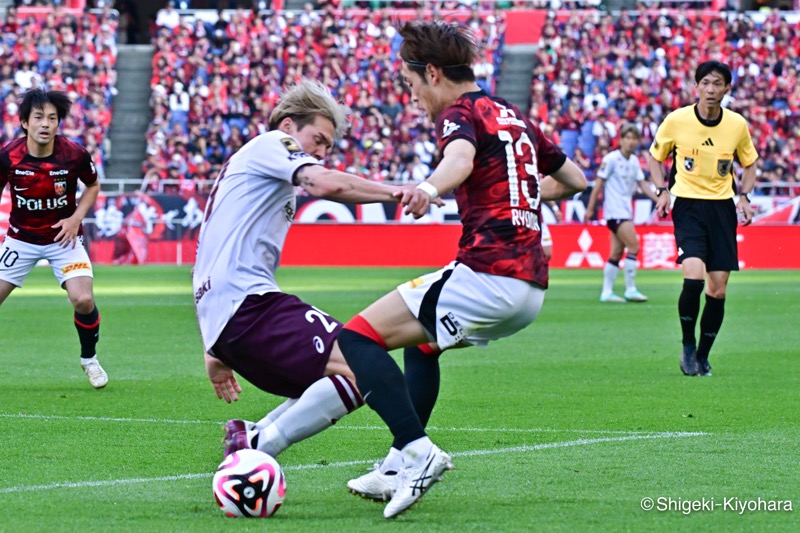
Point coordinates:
[(169, 16), (221, 80), (61, 51), (638, 67)]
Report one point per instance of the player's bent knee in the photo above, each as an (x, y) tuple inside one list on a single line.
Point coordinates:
[(338, 366), (716, 292), (83, 303), (358, 324), (5, 290)]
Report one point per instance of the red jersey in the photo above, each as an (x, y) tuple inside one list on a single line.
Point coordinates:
[(43, 189), (499, 202)]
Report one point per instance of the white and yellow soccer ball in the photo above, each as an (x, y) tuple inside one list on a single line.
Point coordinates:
[(249, 484)]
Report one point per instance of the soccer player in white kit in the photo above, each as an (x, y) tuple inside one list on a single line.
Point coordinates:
[(274, 340), (619, 175)]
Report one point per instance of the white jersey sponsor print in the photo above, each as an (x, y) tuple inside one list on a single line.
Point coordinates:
[(248, 215)]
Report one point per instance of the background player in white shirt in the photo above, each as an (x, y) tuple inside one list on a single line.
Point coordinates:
[(619, 175), (274, 340)]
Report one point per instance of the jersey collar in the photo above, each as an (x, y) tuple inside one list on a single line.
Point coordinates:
[(709, 123)]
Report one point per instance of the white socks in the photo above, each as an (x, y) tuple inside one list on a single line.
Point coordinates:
[(415, 452), (273, 415), (318, 408), (629, 269), (393, 462), (610, 273)]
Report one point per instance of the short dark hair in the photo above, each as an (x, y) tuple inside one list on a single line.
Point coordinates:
[(38, 98), (447, 46), (707, 67)]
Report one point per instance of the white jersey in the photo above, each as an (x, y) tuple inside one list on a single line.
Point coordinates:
[(248, 215), (621, 177)]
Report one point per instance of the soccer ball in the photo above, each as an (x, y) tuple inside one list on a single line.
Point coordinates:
[(249, 484)]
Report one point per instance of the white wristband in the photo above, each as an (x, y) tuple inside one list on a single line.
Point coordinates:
[(430, 189)]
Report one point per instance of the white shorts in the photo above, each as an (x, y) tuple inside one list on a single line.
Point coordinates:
[(18, 258), (459, 306), (547, 239)]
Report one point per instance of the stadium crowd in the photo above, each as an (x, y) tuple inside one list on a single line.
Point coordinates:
[(214, 85), (594, 72), (75, 54)]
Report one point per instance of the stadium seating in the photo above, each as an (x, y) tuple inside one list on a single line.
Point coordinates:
[(215, 84), (594, 72), (63, 50)]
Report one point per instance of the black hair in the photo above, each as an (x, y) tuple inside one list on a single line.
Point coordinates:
[(707, 67), (38, 98)]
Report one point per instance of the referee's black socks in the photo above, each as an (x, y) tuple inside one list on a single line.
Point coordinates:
[(710, 323), (689, 309)]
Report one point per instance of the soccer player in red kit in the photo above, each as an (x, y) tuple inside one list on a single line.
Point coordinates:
[(43, 170), (500, 167)]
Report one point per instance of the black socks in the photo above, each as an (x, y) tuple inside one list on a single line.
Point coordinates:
[(382, 386), (88, 327), (689, 309)]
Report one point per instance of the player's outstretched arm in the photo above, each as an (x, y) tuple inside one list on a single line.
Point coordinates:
[(222, 379), (563, 183), (454, 168), (341, 186)]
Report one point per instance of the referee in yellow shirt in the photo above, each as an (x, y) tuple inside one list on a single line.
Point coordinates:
[(703, 139)]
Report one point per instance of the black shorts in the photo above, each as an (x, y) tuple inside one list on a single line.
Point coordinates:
[(278, 343), (614, 223), (706, 229)]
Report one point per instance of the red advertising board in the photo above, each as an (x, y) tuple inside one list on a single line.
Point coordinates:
[(162, 228), (575, 245)]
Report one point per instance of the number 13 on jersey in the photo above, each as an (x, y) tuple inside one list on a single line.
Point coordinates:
[(517, 183), (520, 215)]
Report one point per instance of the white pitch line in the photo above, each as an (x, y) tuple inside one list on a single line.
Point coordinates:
[(472, 453), (518, 430), (369, 428), (580, 442), (107, 419)]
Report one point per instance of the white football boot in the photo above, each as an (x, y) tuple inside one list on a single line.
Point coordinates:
[(374, 485), (97, 376), (634, 295), (414, 481), (611, 298)]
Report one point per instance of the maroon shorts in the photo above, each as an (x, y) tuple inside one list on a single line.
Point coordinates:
[(614, 223), (278, 343)]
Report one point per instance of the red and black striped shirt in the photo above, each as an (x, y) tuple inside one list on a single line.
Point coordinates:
[(499, 202), (43, 189)]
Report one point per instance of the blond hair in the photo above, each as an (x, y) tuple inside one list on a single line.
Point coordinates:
[(304, 102), (629, 128)]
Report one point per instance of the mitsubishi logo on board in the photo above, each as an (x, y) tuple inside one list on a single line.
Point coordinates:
[(576, 259)]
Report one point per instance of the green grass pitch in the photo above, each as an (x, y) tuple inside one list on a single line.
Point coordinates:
[(566, 426)]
